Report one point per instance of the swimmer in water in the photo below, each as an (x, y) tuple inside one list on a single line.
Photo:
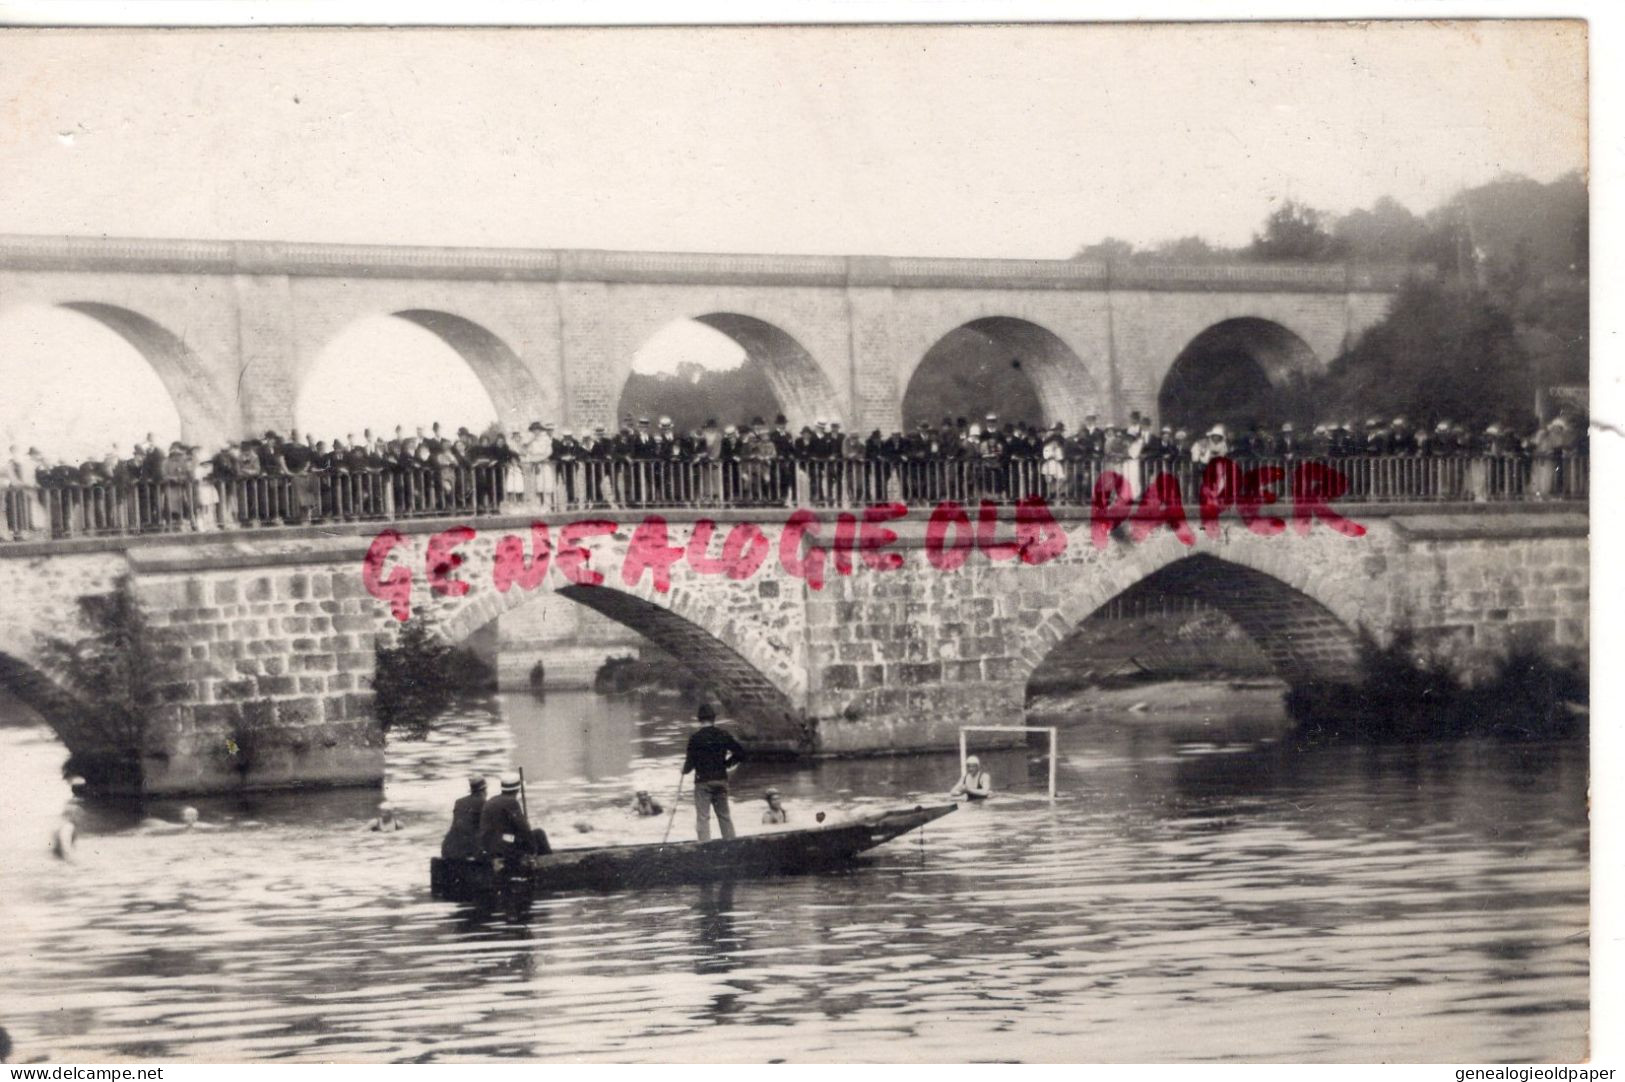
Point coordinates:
[(386, 820), (62, 841), (774, 813), (975, 784), (189, 822)]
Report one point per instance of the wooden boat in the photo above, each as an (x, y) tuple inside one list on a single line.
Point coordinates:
[(629, 867)]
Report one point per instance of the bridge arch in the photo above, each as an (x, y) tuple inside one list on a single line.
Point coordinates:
[(1235, 372), (202, 411), (1307, 633), (514, 392), (1014, 367), (89, 755), (753, 675), (797, 383)]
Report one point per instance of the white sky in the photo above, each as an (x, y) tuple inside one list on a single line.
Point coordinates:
[(982, 141), (962, 141), (687, 340), (63, 396), (381, 372)]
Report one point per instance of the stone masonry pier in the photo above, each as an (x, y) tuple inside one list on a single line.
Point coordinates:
[(277, 629)]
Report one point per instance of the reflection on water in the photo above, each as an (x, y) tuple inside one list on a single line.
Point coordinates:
[(1196, 892)]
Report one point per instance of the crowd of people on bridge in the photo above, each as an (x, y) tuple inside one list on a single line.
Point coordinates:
[(277, 479)]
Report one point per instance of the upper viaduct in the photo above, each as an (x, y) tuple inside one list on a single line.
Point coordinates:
[(233, 328)]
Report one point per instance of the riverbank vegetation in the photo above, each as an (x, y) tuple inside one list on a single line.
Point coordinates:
[(1403, 692), (417, 677), (654, 674), (122, 678)]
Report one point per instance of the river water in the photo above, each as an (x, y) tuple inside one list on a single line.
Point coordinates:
[(1200, 890)]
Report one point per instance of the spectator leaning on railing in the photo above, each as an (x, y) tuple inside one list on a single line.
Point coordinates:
[(277, 480)]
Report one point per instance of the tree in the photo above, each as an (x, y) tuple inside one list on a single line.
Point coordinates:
[(1445, 350), (124, 677), (693, 394), (415, 679), (1386, 233), (1108, 250), (1190, 249), (1295, 231)]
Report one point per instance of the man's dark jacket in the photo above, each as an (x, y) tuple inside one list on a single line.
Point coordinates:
[(710, 753), (462, 841), (503, 815)]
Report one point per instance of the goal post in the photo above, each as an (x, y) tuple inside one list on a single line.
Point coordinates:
[(964, 744)]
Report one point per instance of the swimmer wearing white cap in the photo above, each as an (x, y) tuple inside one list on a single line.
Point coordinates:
[(975, 783)]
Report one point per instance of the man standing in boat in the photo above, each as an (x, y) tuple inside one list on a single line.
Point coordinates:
[(711, 754), (505, 831)]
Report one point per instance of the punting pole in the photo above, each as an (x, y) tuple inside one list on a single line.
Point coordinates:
[(524, 805), (675, 800)]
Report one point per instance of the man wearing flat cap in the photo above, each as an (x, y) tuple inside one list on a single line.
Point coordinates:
[(711, 754), (462, 841)]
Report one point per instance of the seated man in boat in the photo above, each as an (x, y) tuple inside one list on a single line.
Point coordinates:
[(774, 813), (975, 783), (711, 754), (644, 805), (505, 832), (462, 841)]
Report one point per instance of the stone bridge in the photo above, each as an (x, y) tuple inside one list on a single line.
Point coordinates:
[(819, 635), (234, 328)]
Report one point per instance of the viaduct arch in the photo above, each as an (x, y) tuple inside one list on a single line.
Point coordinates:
[(798, 383), (193, 388), (1236, 371), (1007, 348), (795, 343)]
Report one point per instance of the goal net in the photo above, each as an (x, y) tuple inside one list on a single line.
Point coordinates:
[(1020, 758)]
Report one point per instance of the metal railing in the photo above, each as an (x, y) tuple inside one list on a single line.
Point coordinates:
[(343, 495)]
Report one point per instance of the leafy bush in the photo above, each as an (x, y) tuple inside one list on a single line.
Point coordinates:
[(251, 734), (416, 679), (1530, 696), (1404, 693), (124, 678), (629, 675)]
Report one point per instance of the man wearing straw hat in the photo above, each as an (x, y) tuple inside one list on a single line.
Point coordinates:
[(505, 830)]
